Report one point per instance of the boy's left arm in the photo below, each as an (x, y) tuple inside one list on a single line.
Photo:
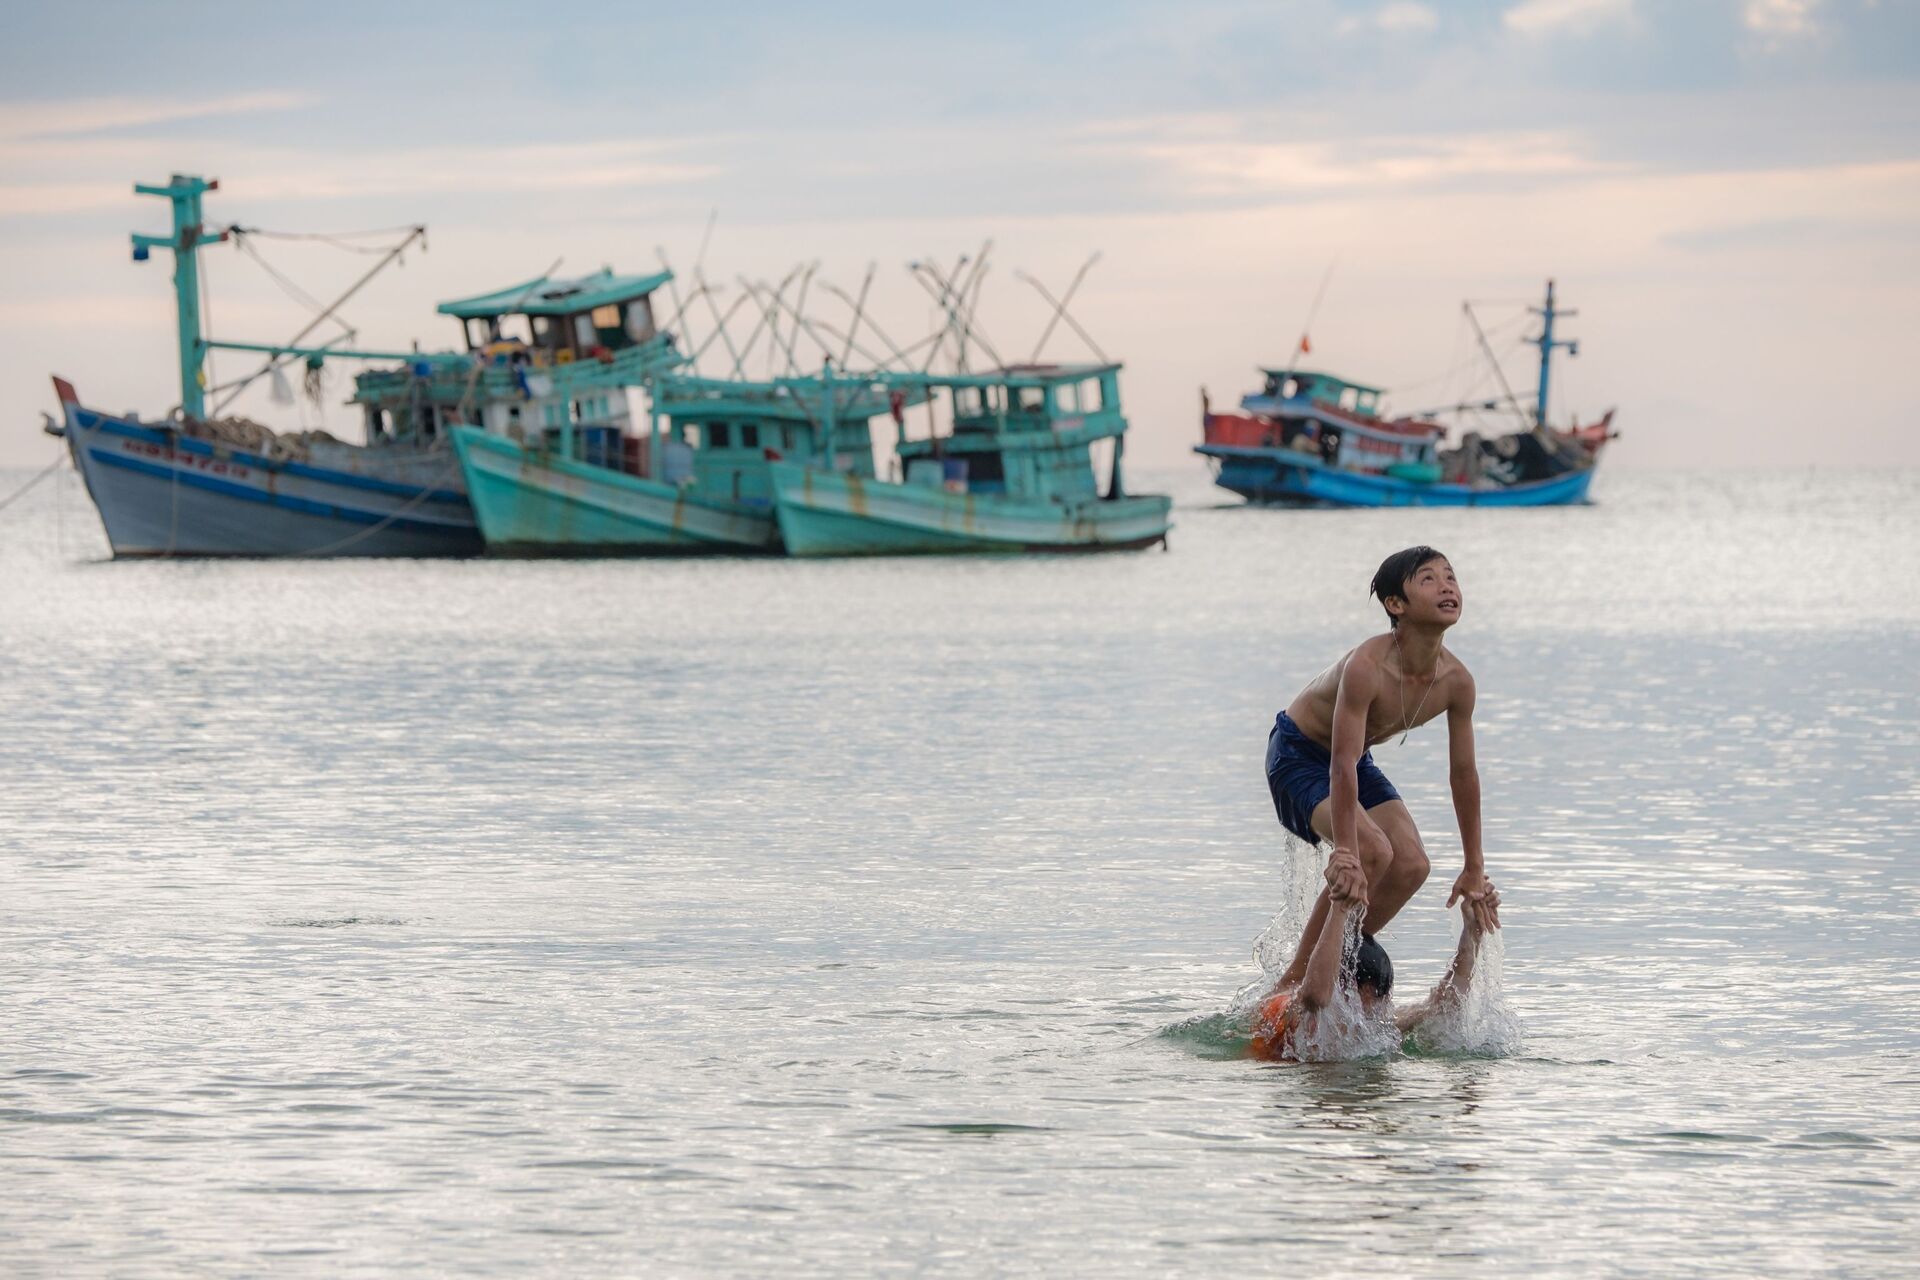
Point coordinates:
[(1464, 775)]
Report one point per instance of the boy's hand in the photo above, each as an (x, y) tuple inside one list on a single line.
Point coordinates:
[(1482, 914), (1345, 880), (1474, 887)]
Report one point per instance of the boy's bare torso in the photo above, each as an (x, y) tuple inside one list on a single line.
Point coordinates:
[(1417, 700)]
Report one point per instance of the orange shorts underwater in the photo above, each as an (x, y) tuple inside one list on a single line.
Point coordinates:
[(1274, 1027)]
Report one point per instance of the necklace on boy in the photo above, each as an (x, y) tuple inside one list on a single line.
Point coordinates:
[(1406, 722)]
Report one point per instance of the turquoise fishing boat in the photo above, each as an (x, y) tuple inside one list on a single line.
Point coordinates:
[(698, 481), (1014, 474)]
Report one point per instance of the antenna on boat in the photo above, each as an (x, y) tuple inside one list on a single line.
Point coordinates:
[(753, 337), (1060, 307), (943, 298), (859, 309), (969, 330), (706, 238), (1305, 344), (800, 321), (679, 304), (799, 310), (1546, 342), (1060, 311), (719, 323)]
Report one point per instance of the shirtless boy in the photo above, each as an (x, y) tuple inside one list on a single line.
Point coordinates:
[(1320, 766)]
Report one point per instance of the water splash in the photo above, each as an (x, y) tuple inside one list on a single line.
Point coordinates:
[(1482, 1023), (1305, 868)]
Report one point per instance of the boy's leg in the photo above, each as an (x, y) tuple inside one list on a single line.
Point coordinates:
[(1406, 868)]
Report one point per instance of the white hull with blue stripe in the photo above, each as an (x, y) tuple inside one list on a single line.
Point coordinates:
[(162, 492)]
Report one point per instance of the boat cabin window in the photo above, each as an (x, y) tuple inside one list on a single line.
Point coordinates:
[(482, 330), (968, 402), (716, 435), (511, 329), (749, 435), (1079, 397), (1347, 397), (584, 337), (1031, 400), (546, 333), (639, 322)]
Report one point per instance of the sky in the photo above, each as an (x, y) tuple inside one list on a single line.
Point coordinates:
[(1727, 191)]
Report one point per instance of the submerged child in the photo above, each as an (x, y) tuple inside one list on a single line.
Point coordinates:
[(1320, 767), (1289, 1019)]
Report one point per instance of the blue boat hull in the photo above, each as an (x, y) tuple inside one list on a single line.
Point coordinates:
[(1287, 477), (163, 493)]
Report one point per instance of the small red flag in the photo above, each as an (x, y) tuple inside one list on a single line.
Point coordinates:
[(1306, 348)]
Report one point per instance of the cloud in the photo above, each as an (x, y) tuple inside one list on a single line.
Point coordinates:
[(1779, 20), (271, 174), (59, 119), (1395, 18), (1212, 166), (1547, 17)]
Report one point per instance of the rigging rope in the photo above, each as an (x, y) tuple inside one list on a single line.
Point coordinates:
[(333, 238), (48, 470), (291, 289)]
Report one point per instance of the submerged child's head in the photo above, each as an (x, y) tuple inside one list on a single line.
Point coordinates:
[(1372, 970), (1417, 585)]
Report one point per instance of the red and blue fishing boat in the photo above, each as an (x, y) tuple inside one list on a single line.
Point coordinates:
[(1318, 440)]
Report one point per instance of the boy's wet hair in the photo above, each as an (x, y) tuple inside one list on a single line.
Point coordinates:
[(1372, 966), (1391, 578)]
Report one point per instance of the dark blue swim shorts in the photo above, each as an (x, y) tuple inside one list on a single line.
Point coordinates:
[(1298, 775)]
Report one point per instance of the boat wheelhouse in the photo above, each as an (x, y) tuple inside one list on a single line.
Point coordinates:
[(1014, 473), (1314, 439)]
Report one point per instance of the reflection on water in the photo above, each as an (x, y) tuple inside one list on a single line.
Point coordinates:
[(497, 918)]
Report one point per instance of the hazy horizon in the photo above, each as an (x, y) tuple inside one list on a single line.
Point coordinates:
[(1728, 193)]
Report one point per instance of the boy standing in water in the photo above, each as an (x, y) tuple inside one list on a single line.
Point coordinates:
[(1320, 767)]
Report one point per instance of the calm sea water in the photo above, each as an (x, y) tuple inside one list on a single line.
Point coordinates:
[(598, 918)]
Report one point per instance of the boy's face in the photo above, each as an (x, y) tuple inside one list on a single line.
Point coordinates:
[(1432, 595)]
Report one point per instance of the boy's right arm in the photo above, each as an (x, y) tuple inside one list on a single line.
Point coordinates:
[(1323, 964), (1357, 683)]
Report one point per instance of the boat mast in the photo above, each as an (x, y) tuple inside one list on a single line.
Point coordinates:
[(184, 192), (1547, 343)]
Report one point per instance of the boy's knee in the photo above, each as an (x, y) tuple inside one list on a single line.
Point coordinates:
[(1376, 853), (1410, 866)]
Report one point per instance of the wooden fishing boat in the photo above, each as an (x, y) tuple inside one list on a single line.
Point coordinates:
[(1314, 439), (1015, 474)]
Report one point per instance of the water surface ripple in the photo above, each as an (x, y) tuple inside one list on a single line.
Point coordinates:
[(502, 918)]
